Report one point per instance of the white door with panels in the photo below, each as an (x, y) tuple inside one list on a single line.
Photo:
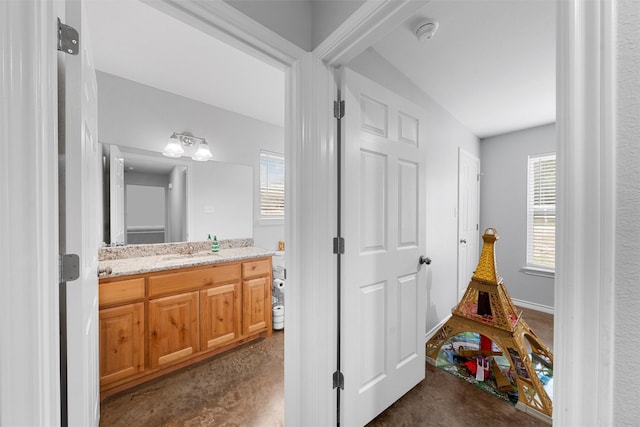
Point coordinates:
[(80, 214), (384, 271), (468, 218)]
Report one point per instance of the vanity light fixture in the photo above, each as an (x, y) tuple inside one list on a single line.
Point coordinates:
[(203, 153), (174, 147), (178, 140)]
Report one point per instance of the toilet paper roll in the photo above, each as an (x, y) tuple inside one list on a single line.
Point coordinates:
[(278, 283), (278, 326), (278, 310)]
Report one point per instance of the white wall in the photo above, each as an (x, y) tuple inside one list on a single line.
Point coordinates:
[(627, 205), (215, 181), (503, 206), (446, 135), (134, 115)]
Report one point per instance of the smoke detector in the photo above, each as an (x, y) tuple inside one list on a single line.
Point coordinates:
[(426, 29)]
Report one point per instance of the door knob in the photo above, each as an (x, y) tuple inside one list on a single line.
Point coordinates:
[(463, 240), (424, 260)]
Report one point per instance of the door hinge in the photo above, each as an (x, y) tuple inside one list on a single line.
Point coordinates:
[(69, 267), (338, 245), (338, 380), (338, 109), (68, 39)]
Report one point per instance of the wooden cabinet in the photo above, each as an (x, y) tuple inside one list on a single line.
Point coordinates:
[(256, 310), (153, 323), (256, 296), (173, 328), (219, 315), (121, 342)]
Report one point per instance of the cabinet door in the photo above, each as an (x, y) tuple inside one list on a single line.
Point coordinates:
[(121, 342), (256, 296), (173, 328), (219, 315)]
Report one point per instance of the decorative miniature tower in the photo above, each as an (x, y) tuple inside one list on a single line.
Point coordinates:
[(487, 309)]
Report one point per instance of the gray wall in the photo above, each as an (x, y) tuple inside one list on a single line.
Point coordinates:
[(446, 135), (302, 22), (503, 205), (134, 115)]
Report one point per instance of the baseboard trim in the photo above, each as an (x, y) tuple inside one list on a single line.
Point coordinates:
[(537, 414), (533, 306)]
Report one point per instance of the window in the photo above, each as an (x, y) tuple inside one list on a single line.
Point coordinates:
[(271, 185), (541, 213)]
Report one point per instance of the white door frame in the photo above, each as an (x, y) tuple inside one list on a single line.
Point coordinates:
[(28, 256), (585, 257), (29, 309)]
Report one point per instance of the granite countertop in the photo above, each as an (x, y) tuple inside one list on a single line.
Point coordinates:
[(168, 261)]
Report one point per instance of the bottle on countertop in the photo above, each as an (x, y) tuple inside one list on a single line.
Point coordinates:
[(215, 246)]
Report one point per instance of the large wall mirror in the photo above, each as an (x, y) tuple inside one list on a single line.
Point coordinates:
[(149, 198)]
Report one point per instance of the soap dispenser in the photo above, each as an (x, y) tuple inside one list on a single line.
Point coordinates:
[(215, 246)]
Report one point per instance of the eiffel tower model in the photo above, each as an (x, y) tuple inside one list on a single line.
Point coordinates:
[(487, 309)]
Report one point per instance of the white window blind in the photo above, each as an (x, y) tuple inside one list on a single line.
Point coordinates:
[(541, 212), (271, 185)]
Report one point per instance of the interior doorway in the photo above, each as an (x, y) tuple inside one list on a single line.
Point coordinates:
[(267, 232)]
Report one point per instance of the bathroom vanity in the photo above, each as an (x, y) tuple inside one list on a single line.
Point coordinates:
[(167, 310)]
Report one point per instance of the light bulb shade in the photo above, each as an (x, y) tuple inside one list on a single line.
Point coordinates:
[(173, 148), (203, 153)]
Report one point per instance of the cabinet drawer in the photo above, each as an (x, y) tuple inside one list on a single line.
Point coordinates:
[(256, 268), (121, 291), (164, 284)]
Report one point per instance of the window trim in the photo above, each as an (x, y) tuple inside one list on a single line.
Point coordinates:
[(537, 271)]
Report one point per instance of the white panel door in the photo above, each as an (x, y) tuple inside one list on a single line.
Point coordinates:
[(384, 222), (116, 195), (82, 207), (468, 218)]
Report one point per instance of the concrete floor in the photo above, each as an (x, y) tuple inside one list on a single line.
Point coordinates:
[(245, 387)]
